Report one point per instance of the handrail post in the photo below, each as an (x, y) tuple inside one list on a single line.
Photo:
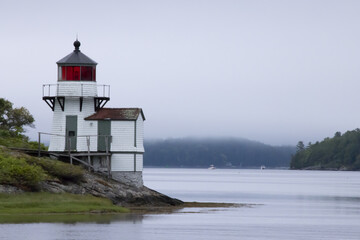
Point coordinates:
[(69, 150), (39, 144), (107, 155), (88, 145)]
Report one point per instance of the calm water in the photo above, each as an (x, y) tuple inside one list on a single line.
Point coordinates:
[(291, 205)]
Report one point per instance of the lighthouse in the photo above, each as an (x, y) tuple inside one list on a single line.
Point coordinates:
[(104, 139)]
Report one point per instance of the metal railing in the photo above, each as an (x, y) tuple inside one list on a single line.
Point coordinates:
[(52, 90)]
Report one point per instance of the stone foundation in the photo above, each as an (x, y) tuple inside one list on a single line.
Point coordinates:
[(129, 178)]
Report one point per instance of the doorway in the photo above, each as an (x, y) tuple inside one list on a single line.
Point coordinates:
[(104, 133), (71, 133)]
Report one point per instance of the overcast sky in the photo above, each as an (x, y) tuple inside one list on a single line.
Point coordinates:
[(272, 71)]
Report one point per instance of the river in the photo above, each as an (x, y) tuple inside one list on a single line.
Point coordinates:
[(285, 205)]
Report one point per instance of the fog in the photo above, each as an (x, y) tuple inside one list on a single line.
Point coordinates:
[(271, 71)]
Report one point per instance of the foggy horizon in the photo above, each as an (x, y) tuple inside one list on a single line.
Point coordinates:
[(275, 72)]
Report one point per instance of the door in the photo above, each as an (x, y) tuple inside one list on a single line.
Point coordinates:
[(71, 132), (104, 133)]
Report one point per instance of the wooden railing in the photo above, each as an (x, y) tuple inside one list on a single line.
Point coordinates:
[(74, 155)]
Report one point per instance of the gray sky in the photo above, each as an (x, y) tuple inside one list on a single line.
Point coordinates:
[(272, 71)]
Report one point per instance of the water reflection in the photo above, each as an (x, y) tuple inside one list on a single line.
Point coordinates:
[(73, 218), (294, 205)]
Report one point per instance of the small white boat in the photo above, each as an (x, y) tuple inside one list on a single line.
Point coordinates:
[(212, 167), (262, 167)]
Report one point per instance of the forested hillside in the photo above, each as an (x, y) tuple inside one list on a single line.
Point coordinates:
[(340, 152), (222, 153)]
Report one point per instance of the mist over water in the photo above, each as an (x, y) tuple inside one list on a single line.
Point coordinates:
[(288, 205)]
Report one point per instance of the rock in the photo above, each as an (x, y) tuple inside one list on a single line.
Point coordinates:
[(10, 189), (119, 193)]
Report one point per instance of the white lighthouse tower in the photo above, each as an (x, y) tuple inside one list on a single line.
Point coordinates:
[(107, 139)]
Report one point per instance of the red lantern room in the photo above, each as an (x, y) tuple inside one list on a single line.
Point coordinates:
[(76, 80), (76, 66)]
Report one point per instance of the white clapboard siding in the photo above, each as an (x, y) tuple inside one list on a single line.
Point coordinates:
[(139, 162), (140, 134), (76, 89), (122, 162), (72, 108), (123, 136)]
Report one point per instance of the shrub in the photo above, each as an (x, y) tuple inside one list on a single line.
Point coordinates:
[(63, 171), (17, 172), (19, 141)]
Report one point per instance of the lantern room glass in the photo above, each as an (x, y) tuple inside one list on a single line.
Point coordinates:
[(76, 73)]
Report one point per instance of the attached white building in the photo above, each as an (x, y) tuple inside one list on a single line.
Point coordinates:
[(109, 139)]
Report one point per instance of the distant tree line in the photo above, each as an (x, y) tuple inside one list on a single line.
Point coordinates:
[(223, 153), (339, 152)]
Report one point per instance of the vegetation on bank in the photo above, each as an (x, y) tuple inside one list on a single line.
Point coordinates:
[(21, 170), (26, 172), (41, 203), (342, 152), (226, 153)]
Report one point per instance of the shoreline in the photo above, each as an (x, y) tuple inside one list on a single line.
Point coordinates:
[(128, 214)]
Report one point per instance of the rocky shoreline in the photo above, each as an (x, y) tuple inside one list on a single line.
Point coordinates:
[(100, 186), (320, 168)]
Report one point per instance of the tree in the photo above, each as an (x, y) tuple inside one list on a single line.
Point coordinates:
[(5, 108), (340, 152), (300, 146), (13, 120)]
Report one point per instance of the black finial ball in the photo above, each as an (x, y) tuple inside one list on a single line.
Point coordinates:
[(77, 45)]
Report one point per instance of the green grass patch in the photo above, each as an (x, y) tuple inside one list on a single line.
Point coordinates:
[(50, 203)]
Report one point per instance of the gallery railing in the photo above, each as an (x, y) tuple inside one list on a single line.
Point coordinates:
[(79, 90)]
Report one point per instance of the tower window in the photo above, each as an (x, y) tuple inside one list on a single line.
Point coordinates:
[(72, 73), (86, 73), (77, 73)]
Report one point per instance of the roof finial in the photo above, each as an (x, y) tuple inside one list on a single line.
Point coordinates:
[(77, 44)]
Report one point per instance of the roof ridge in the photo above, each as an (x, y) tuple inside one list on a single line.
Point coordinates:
[(121, 108), (117, 114), (76, 58)]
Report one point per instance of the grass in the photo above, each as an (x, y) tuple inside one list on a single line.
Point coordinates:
[(50, 203)]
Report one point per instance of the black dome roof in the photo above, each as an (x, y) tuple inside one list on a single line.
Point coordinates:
[(76, 57)]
